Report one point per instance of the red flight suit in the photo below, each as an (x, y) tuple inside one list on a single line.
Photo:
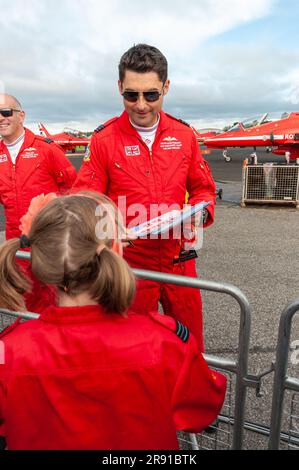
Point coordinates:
[(40, 167), (120, 164), (81, 378)]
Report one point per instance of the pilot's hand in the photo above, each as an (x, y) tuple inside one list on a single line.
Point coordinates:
[(200, 218), (205, 216)]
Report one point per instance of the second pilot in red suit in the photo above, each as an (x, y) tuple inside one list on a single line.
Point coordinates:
[(29, 165)]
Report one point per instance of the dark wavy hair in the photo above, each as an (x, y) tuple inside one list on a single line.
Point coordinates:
[(143, 58)]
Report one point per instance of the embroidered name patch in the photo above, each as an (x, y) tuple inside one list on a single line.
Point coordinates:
[(130, 151), (30, 152), (170, 143)]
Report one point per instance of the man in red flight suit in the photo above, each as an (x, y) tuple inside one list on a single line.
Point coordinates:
[(29, 165), (152, 159)]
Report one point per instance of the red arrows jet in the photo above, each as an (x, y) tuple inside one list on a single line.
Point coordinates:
[(66, 140), (282, 136)]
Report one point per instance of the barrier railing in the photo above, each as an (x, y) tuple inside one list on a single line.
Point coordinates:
[(281, 381), (238, 367)]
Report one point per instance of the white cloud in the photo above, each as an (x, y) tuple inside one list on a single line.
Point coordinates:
[(241, 79), (289, 85), (20, 16), (181, 27), (61, 57)]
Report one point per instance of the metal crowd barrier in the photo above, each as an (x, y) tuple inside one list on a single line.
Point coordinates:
[(233, 369), (282, 383), (228, 430)]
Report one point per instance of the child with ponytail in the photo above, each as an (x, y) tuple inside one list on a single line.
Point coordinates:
[(90, 373)]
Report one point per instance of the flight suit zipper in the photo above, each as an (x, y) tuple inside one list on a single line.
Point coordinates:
[(150, 151), (15, 189)]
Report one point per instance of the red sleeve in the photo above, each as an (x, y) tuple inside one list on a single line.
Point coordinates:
[(198, 394), (61, 169), (200, 182), (93, 173), (2, 401)]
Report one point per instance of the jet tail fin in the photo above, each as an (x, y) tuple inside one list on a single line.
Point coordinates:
[(42, 130)]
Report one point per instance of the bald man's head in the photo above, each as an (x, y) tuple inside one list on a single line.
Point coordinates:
[(11, 126), (5, 98)]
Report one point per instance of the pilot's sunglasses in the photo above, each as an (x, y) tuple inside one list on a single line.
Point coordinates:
[(8, 112), (150, 96)]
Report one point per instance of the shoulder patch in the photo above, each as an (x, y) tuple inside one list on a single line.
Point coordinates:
[(44, 139), (106, 124), (87, 154), (99, 128), (10, 328), (177, 119), (171, 324), (182, 331)]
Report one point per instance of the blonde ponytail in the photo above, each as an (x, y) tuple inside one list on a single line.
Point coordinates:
[(13, 282), (69, 250), (114, 286)]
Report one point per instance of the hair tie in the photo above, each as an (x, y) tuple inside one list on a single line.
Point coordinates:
[(24, 241), (100, 248), (36, 205)]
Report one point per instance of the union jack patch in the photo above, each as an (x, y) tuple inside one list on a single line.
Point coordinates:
[(132, 150)]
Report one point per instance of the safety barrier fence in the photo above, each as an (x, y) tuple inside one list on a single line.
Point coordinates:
[(228, 430), (236, 371), (282, 382)]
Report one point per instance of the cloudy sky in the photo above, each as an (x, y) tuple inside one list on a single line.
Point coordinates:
[(228, 59)]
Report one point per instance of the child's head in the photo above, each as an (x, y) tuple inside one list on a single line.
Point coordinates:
[(74, 246)]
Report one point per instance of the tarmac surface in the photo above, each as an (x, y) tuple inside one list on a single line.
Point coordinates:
[(256, 249)]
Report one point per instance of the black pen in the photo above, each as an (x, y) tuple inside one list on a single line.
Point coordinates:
[(128, 241)]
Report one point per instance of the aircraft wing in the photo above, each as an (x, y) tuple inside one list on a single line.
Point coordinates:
[(72, 141)]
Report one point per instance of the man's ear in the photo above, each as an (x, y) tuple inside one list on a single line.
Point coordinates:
[(119, 86), (166, 87), (22, 116)]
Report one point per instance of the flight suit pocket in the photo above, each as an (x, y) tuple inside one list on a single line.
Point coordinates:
[(206, 172)]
